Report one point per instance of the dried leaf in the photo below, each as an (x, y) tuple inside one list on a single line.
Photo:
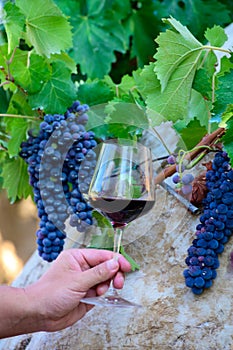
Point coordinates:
[(199, 188)]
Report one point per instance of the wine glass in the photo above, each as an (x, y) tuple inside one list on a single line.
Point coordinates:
[(122, 189)]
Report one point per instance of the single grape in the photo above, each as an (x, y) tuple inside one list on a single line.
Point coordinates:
[(171, 159), (187, 179), (186, 189), (176, 178)]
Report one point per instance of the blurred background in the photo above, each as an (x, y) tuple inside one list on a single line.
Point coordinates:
[(18, 224)]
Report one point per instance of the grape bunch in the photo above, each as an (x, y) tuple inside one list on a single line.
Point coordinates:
[(215, 227), (60, 165), (182, 180)]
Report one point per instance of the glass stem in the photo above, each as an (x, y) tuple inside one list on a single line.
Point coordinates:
[(116, 249)]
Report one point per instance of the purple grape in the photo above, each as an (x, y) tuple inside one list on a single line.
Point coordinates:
[(176, 178), (57, 191), (216, 225), (186, 189), (187, 179), (171, 159)]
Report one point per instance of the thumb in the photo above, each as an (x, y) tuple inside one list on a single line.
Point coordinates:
[(99, 273)]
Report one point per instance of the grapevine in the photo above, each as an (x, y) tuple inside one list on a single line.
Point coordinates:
[(55, 157), (216, 220), (215, 227)]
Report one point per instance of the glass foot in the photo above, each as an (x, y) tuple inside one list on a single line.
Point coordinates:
[(110, 301)]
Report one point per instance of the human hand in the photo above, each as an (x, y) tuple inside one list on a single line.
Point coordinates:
[(76, 273)]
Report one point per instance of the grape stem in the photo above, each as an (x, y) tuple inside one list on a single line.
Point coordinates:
[(203, 147), (196, 160)]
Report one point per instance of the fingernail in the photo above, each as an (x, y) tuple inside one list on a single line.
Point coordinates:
[(112, 264)]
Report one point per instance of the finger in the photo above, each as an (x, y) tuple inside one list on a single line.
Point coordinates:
[(98, 274), (118, 283), (119, 280), (102, 288), (93, 257), (125, 266)]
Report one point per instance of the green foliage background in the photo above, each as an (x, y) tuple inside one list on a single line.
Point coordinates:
[(150, 53)]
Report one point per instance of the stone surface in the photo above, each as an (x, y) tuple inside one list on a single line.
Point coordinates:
[(171, 316)]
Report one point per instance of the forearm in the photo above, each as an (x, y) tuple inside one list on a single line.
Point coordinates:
[(17, 315)]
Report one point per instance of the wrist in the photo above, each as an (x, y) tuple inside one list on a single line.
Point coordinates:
[(36, 312), (18, 314)]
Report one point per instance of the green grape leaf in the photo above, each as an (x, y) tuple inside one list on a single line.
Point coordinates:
[(148, 82), (19, 105), (98, 34), (149, 87), (134, 265), (127, 89), (126, 113), (17, 129), (96, 121), (29, 71), (94, 61), (226, 116), (146, 24), (172, 104), (4, 101), (228, 140), (197, 15), (224, 93), (198, 109), (204, 76), (202, 83), (216, 36), (105, 239), (94, 92), (15, 179), (210, 63), (101, 220), (3, 58), (177, 58), (226, 66), (47, 29), (191, 132), (64, 57), (126, 120), (177, 54), (57, 93), (102, 241), (127, 84), (14, 22), (117, 119)]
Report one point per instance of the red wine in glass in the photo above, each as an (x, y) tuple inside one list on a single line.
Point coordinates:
[(126, 210)]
